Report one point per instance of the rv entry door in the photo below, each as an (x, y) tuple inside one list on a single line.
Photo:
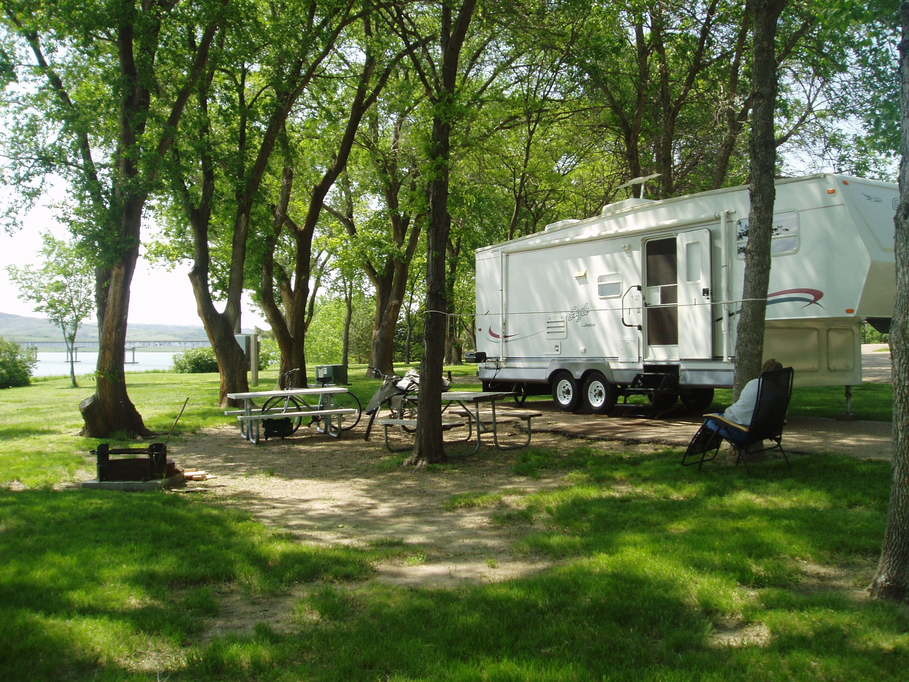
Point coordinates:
[(661, 321), (694, 290)]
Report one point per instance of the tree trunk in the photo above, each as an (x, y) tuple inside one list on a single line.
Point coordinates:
[(219, 327), (110, 410), (69, 341), (428, 446), (734, 115), (892, 578), (749, 342), (388, 309), (408, 338)]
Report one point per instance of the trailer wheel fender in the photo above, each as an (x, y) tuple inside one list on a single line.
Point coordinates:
[(599, 394), (565, 391)]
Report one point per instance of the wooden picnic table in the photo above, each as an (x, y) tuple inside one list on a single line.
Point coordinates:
[(294, 404)]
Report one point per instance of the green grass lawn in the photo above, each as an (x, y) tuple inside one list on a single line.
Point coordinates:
[(659, 572)]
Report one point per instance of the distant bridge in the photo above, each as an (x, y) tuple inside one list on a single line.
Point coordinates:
[(131, 344)]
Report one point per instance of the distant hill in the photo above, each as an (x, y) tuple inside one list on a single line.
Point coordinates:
[(22, 329)]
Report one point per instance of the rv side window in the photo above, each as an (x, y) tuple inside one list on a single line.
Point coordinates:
[(786, 234), (609, 286)]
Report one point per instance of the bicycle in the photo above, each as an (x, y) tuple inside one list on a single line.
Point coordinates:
[(297, 404), (397, 393)]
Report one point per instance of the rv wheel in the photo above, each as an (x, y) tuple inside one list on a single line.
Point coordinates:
[(565, 392), (696, 399), (600, 396)]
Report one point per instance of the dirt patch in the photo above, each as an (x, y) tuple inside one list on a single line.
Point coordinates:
[(734, 635), (851, 581), (352, 492)]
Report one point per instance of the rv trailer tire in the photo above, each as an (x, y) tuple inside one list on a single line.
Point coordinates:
[(696, 399), (565, 393), (600, 396)]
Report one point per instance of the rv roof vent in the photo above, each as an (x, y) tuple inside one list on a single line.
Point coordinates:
[(624, 205), (561, 224)]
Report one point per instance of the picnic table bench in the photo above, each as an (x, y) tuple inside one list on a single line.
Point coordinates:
[(409, 425)]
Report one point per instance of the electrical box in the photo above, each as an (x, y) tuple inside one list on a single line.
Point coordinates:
[(331, 374)]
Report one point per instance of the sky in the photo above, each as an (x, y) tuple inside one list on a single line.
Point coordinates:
[(157, 296)]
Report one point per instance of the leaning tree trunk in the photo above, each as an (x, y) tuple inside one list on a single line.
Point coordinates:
[(749, 342), (69, 341), (892, 578), (233, 365), (219, 327), (383, 337), (110, 410)]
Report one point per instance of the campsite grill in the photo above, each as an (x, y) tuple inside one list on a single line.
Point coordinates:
[(152, 466)]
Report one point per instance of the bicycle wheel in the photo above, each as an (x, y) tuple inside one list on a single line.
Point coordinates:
[(278, 404), (345, 422)]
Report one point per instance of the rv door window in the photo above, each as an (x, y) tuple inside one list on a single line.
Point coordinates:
[(661, 262), (693, 261), (786, 235), (609, 286)]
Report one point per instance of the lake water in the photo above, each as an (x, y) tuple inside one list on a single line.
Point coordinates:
[(52, 364)]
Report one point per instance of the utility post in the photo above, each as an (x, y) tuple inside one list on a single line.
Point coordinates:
[(254, 357)]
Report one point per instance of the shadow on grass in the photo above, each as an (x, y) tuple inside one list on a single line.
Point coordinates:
[(602, 619), (87, 577), (652, 563)]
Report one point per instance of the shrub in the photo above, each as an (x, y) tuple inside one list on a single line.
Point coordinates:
[(196, 361), (200, 360), (15, 365), (269, 355)]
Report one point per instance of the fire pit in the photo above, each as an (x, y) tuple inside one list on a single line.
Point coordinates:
[(146, 468)]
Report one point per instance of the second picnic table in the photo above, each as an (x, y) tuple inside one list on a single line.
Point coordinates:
[(469, 404), (293, 403)]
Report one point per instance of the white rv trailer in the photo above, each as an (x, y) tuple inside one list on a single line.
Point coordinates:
[(644, 298)]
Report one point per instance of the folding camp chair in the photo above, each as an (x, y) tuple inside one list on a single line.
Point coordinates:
[(767, 423)]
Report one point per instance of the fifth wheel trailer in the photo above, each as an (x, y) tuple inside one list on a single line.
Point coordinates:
[(645, 297)]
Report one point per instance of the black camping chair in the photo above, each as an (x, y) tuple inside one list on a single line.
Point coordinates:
[(767, 423)]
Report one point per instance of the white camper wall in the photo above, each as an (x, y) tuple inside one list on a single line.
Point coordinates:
[(555, 306)]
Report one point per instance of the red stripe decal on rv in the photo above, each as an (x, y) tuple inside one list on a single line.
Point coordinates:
[(815, 296), (499, 336)]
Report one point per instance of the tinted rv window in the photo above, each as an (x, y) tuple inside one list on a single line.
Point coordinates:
[(609, 286)]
